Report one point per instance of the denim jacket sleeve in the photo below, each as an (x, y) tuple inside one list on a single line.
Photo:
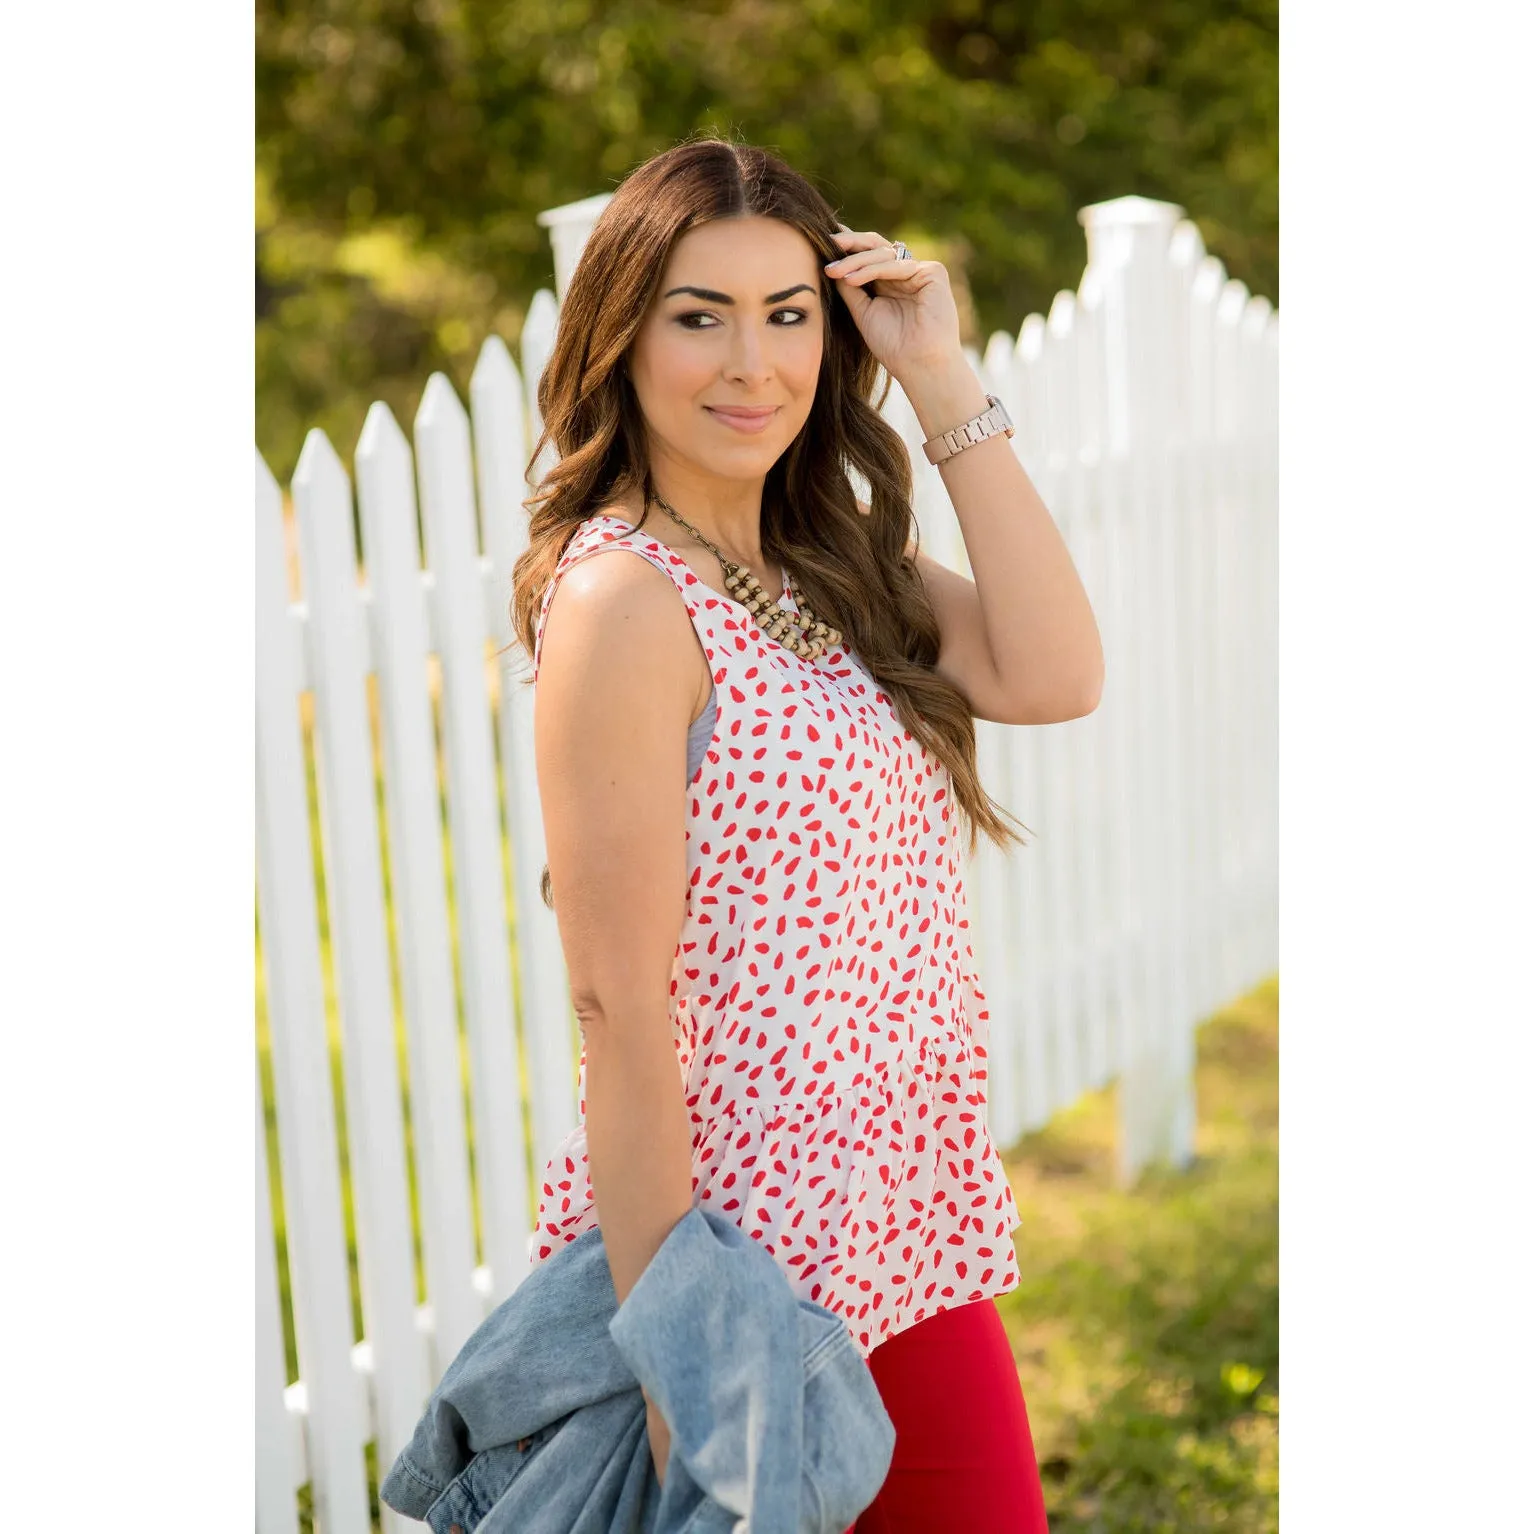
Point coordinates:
[(538, 1425), (774, 1418), (711, 1331)]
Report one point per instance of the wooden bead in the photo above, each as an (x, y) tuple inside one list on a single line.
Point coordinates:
[(801, 632)]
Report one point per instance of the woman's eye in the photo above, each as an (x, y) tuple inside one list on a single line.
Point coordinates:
[(682, 319)]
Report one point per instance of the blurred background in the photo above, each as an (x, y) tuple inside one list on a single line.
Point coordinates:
[(405, 148), (404, 152)]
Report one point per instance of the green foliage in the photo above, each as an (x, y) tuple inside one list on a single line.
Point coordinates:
[(405, 148), (1146, 1326)]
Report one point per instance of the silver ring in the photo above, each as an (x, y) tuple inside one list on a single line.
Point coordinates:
[(901, 253)]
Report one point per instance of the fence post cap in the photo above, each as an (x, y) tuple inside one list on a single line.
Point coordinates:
[(569, 227), (584, 211), (1120, 212)]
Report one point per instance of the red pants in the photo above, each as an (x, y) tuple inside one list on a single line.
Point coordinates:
[(963, 1457)]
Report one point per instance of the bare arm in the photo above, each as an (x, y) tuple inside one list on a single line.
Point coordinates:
[(616, 687), (964, 654), (1020, 640)]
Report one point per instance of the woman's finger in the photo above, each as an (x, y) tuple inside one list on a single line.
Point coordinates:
[(884, 252), (885, 271), (855, 241)]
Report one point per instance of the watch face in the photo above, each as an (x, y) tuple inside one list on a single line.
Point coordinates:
[(1001, 410)]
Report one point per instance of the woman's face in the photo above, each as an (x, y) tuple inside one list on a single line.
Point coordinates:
[(749, 334)]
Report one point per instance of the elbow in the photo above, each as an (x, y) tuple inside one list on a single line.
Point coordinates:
[(1070, 692), (591, 1015), (1089, 695), (604, 1021), (1061, 704), (1073, 703), (1088, 691)]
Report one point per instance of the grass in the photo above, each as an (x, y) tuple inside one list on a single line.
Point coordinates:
[(1146, 1325)]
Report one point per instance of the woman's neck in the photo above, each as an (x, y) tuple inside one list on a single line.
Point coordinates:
[(667, 530), (726, 512)]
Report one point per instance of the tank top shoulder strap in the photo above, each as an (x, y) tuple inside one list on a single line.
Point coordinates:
[(601, 532)]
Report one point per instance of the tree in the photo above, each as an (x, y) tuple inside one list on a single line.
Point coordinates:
[(405, 147)]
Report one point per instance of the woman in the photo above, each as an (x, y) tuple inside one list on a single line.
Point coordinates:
[(772, 969)]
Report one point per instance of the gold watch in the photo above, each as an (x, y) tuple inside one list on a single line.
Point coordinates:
[(946, 443)]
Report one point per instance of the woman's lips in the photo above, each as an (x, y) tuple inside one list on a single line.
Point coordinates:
[(742, 420)]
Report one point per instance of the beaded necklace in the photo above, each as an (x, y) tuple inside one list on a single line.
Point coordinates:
[(801, 632)]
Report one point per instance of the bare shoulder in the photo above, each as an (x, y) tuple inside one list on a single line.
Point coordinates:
[(609, 735), (615, 607), (617, 629)]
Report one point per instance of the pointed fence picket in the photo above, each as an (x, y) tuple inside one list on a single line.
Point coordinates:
[(498, 407), (1203, 787), (402, 646), (1060, 422), (1146, 411), (306, 1126), (337, 629), (1082, 944), (452, 552)]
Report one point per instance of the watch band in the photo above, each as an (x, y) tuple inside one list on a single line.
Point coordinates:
[(987, 424)]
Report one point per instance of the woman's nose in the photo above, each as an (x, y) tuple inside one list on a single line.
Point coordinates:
[(748, 358)]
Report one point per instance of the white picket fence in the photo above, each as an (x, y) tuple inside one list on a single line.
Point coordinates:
[(1147, 411)]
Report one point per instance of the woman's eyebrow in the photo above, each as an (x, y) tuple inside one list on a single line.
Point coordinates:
[(724, 298)]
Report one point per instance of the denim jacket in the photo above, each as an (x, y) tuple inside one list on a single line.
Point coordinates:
[(538, 1425)]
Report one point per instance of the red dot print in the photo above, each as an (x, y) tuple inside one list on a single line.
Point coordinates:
[(829, 1026)]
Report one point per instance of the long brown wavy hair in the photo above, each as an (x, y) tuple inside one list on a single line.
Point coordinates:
[(852, 568)]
